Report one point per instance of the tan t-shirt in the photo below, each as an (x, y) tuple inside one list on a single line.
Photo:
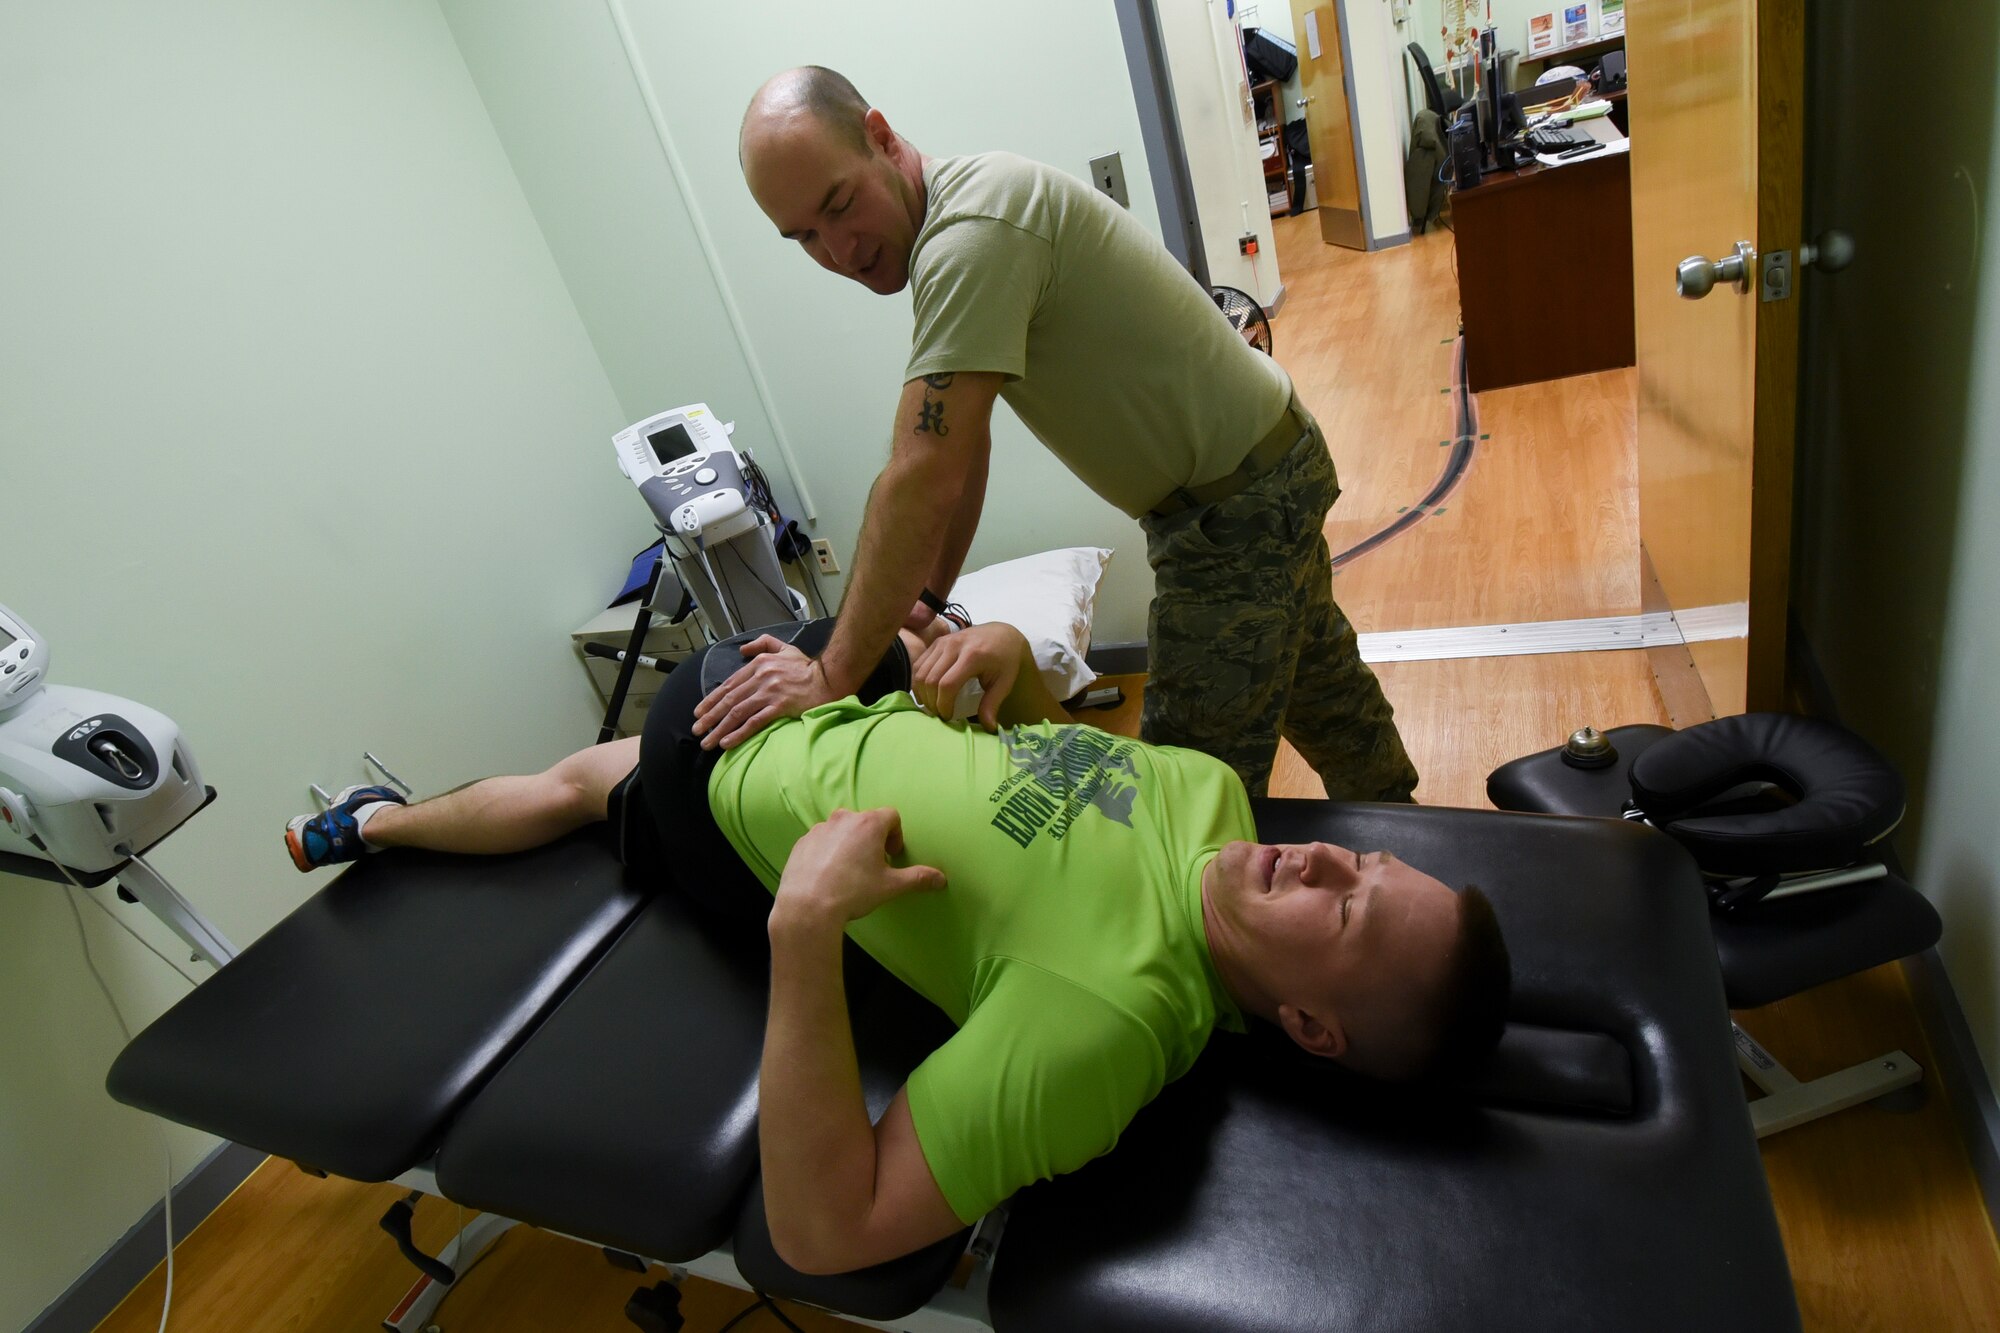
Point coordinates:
[(1115, 357)]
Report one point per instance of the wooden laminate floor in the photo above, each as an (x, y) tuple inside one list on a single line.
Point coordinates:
[(1879, 1209), (1544, 524), (290, 1252)]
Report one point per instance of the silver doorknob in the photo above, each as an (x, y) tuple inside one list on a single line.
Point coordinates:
[(1304, 100), (1830, 251), (1695, 277)]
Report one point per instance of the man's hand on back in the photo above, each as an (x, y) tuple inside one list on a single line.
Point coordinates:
[(779, 681)]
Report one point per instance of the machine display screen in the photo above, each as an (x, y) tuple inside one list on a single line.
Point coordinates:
[(6, 639), (671, 443)]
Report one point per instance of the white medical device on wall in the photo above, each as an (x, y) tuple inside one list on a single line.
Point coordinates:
[(88, 783), (717, 536)]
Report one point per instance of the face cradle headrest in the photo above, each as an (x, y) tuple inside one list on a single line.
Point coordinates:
[(1846, 794)]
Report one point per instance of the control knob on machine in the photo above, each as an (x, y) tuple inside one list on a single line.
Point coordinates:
[(18, 814), (1589, 748)]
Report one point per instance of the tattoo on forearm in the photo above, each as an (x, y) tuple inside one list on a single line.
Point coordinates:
[(930, 416)]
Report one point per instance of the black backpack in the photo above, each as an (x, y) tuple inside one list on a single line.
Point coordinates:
[(1269, 56)]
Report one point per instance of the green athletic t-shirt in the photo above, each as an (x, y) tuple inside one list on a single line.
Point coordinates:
[(1114, 356), (1068, 945)]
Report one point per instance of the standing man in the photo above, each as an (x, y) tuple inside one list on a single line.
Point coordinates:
[(1031, 286)]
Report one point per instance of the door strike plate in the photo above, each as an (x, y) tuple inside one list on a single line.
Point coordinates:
[(1775, 276)]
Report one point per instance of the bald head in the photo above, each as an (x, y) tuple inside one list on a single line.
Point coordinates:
[(832, 175), (810, 94)]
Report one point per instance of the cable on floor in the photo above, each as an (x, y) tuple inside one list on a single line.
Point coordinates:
[(763, 1302), (1464, 444)]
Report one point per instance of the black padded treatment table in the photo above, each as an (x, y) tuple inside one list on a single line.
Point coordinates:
[(536, 1037)]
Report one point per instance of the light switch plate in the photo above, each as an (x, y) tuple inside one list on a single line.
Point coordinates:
[(1107, 173)]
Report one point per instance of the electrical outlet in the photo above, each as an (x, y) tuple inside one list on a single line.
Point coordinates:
[(823, 553)]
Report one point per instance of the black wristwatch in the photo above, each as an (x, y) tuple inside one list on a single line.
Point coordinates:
[(951, 611)]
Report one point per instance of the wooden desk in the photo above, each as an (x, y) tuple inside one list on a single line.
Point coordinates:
[(1545, 271)]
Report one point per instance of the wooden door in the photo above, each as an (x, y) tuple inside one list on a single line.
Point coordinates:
[(1323, 85), (1717, 94)]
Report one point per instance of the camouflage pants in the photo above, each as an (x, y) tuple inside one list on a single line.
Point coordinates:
[(1246, 644)]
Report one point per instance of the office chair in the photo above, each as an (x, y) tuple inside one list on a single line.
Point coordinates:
[(1440, 99)]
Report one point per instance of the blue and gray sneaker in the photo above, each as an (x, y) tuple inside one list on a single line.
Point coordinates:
[(333, 835)]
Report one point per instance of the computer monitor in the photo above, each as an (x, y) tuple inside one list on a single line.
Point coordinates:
[(1484, 67), (1500, 117)]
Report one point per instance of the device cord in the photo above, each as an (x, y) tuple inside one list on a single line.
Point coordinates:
[(763, 1302), (166, 1150), (721, 592), (776, 596), (119, 922), (761, 496), (812, 585), (734, 606)]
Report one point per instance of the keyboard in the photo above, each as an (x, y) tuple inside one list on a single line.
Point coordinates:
[(1552, 139)]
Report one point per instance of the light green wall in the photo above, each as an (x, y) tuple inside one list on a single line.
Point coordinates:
[(1894, 582), (1048, 80), (305, 445), (563, 99)]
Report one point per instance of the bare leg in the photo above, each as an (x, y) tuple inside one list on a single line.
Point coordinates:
[(510, 814)]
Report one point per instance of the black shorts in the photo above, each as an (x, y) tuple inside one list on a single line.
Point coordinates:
[(659, 813)]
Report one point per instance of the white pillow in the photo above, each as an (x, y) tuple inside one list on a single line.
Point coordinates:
[(1049, 598)]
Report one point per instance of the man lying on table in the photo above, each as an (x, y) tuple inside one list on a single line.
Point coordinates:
[(1086, 908)]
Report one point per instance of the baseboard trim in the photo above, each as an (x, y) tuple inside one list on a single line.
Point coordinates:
[(1964, 1074), (93, 1296), (1277, 302), (1391, 242)]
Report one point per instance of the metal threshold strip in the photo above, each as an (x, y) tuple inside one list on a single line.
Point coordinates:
[(1601, 634)]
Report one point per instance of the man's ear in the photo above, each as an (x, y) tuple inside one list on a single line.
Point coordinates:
[(1318, 1036), (876, 126)]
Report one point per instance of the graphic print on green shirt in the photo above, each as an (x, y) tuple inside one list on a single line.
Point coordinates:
[(1062, 775)]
